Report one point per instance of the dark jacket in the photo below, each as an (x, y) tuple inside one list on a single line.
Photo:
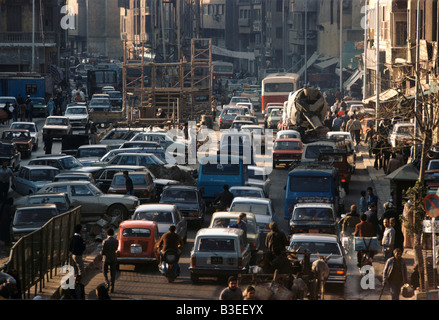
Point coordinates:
[(77, 245), (109, 247), (388, 268)]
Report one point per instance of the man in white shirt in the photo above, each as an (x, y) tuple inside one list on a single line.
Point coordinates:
[(388, 241)]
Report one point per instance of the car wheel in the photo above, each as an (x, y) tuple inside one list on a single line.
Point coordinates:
[(194, 278), (117, 210)]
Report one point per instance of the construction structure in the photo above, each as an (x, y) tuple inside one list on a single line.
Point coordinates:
[(181, 90)]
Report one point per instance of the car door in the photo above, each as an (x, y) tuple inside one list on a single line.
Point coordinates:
[(22, 185), (84, 196)]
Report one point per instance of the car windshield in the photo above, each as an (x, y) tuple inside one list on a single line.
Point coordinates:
[(255, 208), (313, 152), (313, 214), (226, 222), (99, 102), (155, 215), (181, 196), (216, 244), (310, 184), (70, 163), (57, 121), (287, 145), (136, 232), (10, 135), (25, 126), (256, 174), (433, 165), (76, 111), (234, 111), (238, 100), (43, 174), (133, 160), (91, 152), (34, 216), (314, 247), (138, 180), (38, 100)]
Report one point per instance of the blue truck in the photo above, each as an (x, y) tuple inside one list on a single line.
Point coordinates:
[(314, 180), (12, 84)]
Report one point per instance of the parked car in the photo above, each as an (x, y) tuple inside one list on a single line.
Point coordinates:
[(403, 134), (262, 209), (74, 176), (104, 176), (57, 126), (62, 162), (9, 152), (78, 116), (273, 118), (219, 252), (284, 134), (165, 215), (22, 139), (137, 242), (287, 151), (228, 114), (252, 119), (30, 218), (61, 200), (226, 219), (33, 130), (91, 153), (188, 200), (94, 203), (131, 159), (247, 191), (40, 107), (117, 136), (165, 139), (143, 183), (29, 179), (237, 124), (324, 245), (99, 105)]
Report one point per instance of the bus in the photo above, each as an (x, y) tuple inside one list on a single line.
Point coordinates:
[(277, 87), (99, 78), (222, 69)]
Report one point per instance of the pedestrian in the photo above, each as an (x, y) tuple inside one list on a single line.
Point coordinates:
[(370, 138), (386, 153), (399, 237), (15, 112), (78, 293), (250, 293), (371, 197), (48, 143), (6, 178), (372, 217), (102, 292), (21, 111), (388, 241), (232, 292), (64, 294), (276, 240), (77, 247), (377, 150), (225, 198), (393, 164), (109, 259), (407, 225), (6, 214), (29, 108), (364, 229), (50, 107), (128, 184), (362, 207), (349, 222), (8, 110), (336, 123), (395, 273)]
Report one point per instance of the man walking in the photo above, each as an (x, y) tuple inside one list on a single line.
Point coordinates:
[(6, 176), (395, 273), (128, 184), (388, 241), (109, 260), (77, 248)]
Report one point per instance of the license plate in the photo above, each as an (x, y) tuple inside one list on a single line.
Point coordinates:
[(313, 230), (215, 260), (136, 249)]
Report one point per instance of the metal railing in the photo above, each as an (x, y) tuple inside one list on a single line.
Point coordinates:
[(35, 256)]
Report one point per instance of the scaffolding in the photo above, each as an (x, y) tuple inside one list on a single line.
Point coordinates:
[(182, 90)]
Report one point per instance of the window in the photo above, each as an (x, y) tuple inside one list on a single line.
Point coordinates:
[(310, 184), (81, 191), (212, 244)]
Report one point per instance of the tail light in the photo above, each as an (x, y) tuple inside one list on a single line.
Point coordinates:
[(193, 261), (239, 263), (343, 180), (340, 272)]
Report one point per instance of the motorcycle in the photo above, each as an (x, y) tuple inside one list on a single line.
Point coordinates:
[(169, 265)]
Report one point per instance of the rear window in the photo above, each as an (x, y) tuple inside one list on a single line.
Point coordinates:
[(314, 247), (226, 222), (247, 193), (136, 232), (313, 214), (287, 145), (255, 208), (215, 244), (158, 216), (61, 203), (310, 184), (220, 169), (137, 180), (313, 152), (28, 217), (179, 196)]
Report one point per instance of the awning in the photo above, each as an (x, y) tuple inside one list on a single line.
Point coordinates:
[(384, 96), (234, 54), (325, 64), (352, 79), (310, 62)]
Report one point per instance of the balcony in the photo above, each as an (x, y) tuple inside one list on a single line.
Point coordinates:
[(25, 39)]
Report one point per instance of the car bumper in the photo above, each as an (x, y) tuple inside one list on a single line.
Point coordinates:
[(123, 260), (336, 279), (216, 271)]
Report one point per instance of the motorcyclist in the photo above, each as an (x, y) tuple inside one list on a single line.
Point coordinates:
[(225, 198), (170, 241)]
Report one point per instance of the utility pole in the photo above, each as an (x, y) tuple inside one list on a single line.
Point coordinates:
[(418, 24), (341, 46), (33, 36), (306, 42), (377, 66), (365, 50)]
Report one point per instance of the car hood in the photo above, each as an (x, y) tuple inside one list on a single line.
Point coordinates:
[(298, 152)]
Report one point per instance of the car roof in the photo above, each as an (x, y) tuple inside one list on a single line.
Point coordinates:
[(251, 199), (37, 206), (289, 139), (181, 186), (219, 232), (155, 206), (15, 130), (90, 146), (23, 122), (314, 237), (131, 173), (137, 224), (38, 166), (234, 214), (245, 188), (314, 204), (68, 182)]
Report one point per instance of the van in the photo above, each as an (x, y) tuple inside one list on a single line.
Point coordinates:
[(313, 180), (213, 175)]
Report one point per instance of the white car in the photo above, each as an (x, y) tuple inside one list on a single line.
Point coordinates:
[(249, 105), (33, 130), (57, 126), (78, 116), (261, 208), (258, 177), (284, 134), (247, 191), (402, 134)]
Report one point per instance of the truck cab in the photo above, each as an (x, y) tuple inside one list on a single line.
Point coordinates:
[(313, 180)]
